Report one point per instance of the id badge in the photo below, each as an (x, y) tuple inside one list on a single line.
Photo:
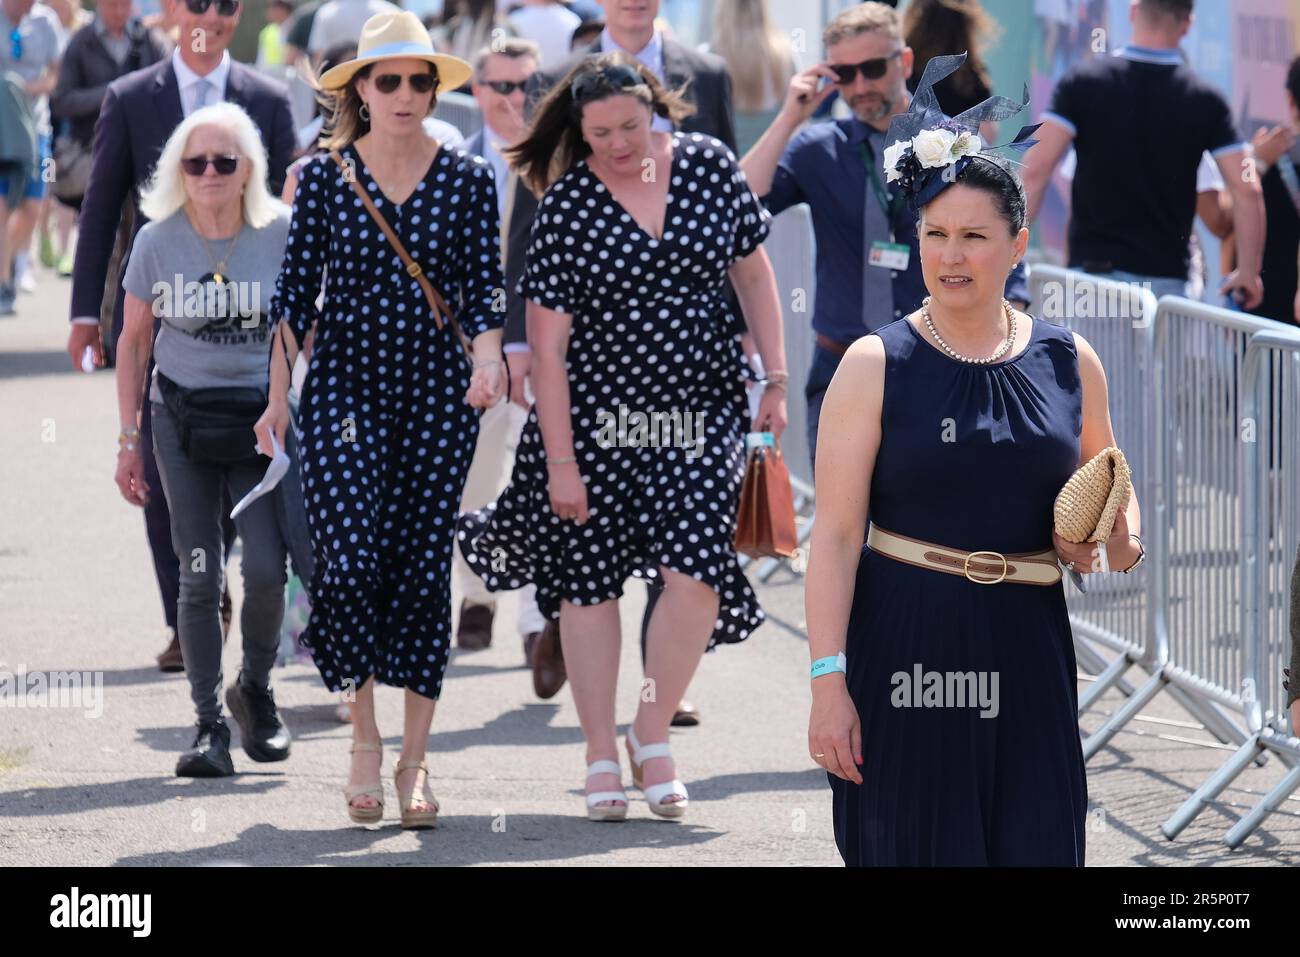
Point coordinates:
[(889, 255)]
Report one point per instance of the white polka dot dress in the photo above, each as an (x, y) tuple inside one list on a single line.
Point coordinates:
[(385, 436), (651, 332)]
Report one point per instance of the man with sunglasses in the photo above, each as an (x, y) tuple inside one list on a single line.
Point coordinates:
[(836, 168), (501, 73), (31, 48), (139, 113), (868, 266)]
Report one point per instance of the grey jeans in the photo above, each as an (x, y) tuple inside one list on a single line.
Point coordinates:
[(195, 499)]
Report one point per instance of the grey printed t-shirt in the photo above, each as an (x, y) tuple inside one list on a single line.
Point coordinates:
[(211, 335)]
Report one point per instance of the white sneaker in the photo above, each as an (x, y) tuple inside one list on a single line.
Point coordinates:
[(24, 276)]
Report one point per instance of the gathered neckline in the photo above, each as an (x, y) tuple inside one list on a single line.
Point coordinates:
[(1033, 334)]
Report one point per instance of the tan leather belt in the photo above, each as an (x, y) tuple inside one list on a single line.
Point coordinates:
[(1024, 568)]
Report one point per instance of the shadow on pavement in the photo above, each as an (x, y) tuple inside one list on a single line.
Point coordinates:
[(132, 793), (17, 365), (478, 839)]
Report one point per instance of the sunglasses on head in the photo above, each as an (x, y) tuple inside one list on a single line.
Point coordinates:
[(420, 82), (16, 44), (506, 87), (872, 69), (198, 165), (618, 77), (225, 8)]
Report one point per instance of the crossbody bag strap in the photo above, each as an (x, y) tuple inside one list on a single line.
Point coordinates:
[(436, 302)]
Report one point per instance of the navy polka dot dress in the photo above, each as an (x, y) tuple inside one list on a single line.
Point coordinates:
[(652, 333), (385, 436)]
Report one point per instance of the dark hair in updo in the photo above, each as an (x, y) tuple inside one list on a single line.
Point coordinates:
[(994, 175)]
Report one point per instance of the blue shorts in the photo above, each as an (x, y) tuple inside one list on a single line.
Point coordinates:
[(34, 188)]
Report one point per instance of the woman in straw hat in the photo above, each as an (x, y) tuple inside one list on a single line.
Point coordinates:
[(387, 419)]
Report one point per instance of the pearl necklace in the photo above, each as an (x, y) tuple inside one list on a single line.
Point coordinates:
[(1002, 349)]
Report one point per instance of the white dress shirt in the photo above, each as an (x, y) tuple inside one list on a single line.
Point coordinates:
[(187, 80), (652, 57)]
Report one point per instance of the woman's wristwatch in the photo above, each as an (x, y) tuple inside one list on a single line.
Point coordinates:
[(1142, 554)]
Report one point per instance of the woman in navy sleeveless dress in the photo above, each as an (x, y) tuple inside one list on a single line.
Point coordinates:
[(951, 736), (1001, 781)]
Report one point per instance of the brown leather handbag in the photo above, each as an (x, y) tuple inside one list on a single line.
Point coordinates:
[(413, 269), (765, 519)]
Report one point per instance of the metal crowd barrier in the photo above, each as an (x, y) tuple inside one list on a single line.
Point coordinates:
[(461, 111), (1117, 613), (1204, 403), (789, 246), (1270, 517)]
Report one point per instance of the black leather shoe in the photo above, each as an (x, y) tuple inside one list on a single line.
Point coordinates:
[(209, 757), (264, 736), (227, 612), (687, 715)]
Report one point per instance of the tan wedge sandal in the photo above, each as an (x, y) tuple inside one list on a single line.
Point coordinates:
[(413, 820), (365, 815)]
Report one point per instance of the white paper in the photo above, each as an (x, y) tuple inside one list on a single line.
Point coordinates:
[(274, 472), (88, 359)]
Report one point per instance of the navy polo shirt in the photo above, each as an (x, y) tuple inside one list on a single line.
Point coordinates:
[(1141, 120), (823, 166)]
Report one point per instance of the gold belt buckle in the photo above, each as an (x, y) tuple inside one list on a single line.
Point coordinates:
[(982, 581)]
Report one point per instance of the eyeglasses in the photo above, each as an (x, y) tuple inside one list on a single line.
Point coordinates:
[(619, 77), (198, 165), (420, 82), (506, 87), (16, 44), (225, 8), (872, 69)]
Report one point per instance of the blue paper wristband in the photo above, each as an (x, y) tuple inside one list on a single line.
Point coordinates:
[(829, 664)]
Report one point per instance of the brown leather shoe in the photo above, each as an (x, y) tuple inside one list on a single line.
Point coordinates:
[(687, 715), (548, 662), (474, 633), (530, 642), (171, 660)]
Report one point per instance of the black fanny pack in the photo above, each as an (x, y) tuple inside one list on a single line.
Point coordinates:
[(215, 425)]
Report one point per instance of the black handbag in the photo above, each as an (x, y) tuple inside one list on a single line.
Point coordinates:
[(215, 425)]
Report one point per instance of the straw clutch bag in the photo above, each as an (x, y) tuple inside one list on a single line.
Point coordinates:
[(1085, 508)]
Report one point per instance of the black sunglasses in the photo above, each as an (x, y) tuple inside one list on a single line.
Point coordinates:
[(506, 87), (618, 77), (198, 165), (420, 82), (872, 69), (225, 8)]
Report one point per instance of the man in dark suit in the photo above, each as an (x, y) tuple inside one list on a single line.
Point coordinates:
[(628, 27), (113, 45), (140, 111), (501, 73)]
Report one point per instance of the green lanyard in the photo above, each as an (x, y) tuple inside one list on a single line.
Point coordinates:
[(889, 204)]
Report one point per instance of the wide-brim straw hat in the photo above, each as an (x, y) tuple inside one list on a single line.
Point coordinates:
[(395, 36)]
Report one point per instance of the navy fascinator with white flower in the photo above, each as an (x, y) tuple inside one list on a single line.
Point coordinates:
[(928, 150)]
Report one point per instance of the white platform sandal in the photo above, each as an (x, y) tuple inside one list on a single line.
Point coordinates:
[(613, 812), (655, 793)]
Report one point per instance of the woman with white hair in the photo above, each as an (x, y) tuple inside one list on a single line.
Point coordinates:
[(202, 268)]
